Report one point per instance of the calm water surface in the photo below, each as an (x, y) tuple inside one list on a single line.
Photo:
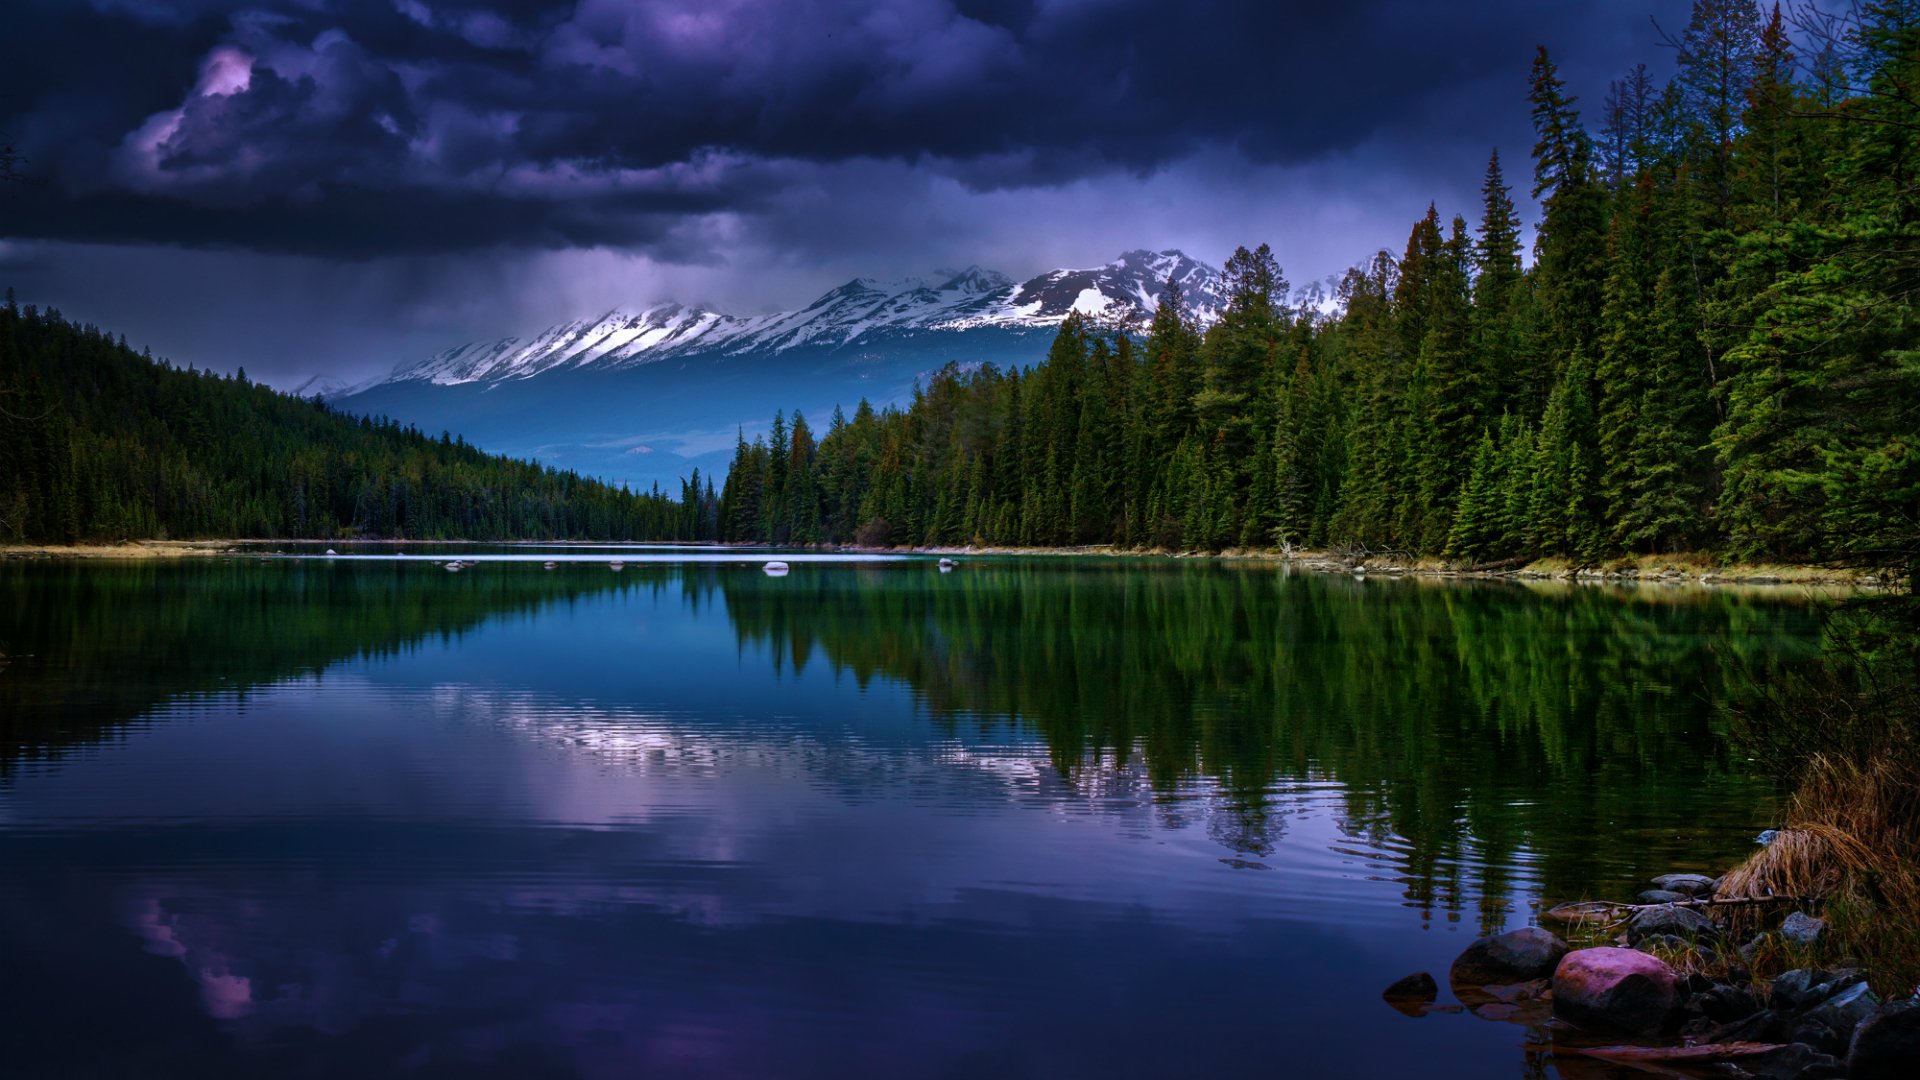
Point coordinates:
[(1032, 818)]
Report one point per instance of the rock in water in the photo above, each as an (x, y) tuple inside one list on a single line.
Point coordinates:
[(1802, 928), (1886, 1045), (1611, 989), (1515, 956), (1660, 896), (1681, 922), (1413, 994), (1690, 884)]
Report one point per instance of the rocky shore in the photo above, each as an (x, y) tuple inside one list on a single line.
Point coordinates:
[(1696, 569), (1667, 985)]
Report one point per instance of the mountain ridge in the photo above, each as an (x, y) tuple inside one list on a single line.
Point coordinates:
[(859, 314)]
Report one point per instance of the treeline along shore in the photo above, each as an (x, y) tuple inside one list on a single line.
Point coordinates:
[(103, 444), (1712, 349)]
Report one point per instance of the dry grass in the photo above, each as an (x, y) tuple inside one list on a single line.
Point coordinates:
[(1852, 834)]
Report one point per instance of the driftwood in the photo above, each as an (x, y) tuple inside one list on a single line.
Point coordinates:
[(1498, 565), (1606, 911), (1671, 1060), (1708, 1053)]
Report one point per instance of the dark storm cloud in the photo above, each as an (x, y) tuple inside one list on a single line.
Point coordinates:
[(361, 127)]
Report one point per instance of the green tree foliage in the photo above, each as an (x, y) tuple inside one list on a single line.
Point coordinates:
[(1714, 347), (99, 443)]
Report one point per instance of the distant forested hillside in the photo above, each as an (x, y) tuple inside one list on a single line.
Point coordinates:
[(1714, 347), (98, 442)]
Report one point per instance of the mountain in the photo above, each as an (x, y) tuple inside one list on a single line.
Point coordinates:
[(328, 388), (646, 395), (862, 313)]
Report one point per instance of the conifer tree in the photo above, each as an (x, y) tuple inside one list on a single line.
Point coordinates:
[(1570, 259)]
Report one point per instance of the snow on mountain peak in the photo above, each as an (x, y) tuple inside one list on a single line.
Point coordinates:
[(860, 312), (973, 280)]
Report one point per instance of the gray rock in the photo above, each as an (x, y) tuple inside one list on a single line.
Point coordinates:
[(1690, 884), (1817, 1035), (1802, 928), (1803, 988), (1798, 988), (1728, 1004), (1844, 1011), (1681, 922), (1659, 896), (1515, 956), (1886, 1045), (1789, 1062), (1752, 948), (1657, 943)]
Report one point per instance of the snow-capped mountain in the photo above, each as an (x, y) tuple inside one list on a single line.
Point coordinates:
[(646, 396), (326, 386), (862, 314)]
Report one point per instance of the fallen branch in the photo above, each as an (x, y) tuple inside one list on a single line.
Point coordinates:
[(1711, 1052), (1498, 565), (1590, 911)]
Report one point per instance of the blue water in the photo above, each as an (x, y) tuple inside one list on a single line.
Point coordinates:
[(369, 818)]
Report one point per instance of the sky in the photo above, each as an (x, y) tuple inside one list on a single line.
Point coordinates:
[(335, 186)]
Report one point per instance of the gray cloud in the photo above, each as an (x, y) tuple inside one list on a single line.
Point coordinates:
[(467, 167), (362, 128)]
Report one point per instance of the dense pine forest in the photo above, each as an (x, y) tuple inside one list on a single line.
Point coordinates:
[(1712, 348), (102, 443)]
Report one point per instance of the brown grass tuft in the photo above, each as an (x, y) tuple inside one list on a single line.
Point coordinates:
[(1852, 834)]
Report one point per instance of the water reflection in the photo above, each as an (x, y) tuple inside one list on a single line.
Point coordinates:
[(1471, 725), (1022, 819)]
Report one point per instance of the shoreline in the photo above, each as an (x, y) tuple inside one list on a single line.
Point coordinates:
[(1682, 569), (132, 549)]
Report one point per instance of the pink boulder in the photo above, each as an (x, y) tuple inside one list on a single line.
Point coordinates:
[(1614, 990)]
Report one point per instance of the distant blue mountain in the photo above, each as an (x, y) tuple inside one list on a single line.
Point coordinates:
[(646, 397)]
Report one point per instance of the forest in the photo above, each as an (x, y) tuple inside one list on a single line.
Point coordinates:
[(1712, 348), (106, 444)]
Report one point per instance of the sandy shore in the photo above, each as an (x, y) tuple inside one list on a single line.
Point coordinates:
[(133, 549)]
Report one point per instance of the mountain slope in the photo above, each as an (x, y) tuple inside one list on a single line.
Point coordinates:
[(644, 397), (100, 443), (863, 313)]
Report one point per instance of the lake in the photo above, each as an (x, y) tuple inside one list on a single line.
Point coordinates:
[(1031, 818)]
